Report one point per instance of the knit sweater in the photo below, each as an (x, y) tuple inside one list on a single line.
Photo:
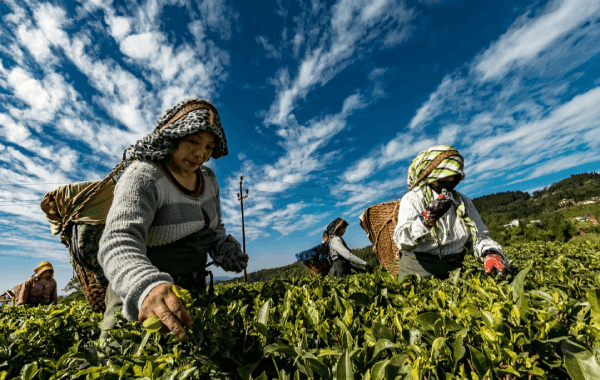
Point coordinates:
[(411, 235), (150, 210), (35, 287)]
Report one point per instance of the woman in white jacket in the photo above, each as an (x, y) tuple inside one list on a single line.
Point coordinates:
[(437, 225)]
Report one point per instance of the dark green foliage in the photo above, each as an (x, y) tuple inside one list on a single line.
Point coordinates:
[(500, 208), (492, 202)]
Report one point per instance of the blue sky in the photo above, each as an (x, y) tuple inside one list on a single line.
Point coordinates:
[(324, 103)]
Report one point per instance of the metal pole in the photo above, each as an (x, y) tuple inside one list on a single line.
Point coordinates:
[(241, 199)]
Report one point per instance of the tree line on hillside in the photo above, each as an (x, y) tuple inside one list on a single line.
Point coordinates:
[(501, 208)]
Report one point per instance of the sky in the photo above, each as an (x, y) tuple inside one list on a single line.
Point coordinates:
[(324, 104)]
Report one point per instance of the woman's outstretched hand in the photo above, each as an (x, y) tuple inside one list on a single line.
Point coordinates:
[(494, 263), (164, 303)]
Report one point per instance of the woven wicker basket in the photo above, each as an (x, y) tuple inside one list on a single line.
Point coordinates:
[(94, 291), (318, 267), (379, 222)]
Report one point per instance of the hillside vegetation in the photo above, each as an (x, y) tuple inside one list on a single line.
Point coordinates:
[(501, 208)]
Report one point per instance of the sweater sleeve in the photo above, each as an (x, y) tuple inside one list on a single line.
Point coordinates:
[(483, 241), (24, 292), (339, 247), (409, 230), (122, 252)]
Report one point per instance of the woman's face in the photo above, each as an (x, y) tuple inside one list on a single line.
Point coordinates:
[(448, 183), (445, 179), (192, 151), (341, 231), (46, 274)]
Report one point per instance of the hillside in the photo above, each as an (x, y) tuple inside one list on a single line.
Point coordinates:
[(501, 208)]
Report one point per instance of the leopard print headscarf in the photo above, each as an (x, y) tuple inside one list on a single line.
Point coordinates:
[(187, 117)]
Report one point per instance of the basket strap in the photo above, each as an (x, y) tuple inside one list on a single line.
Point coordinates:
[(434, 164)]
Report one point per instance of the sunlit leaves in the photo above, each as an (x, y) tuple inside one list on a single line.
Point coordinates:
[(541, 321)]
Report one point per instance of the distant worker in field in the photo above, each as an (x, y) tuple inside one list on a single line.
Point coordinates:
[(41, 289), (166, 218), (437, 225), (341, 257)]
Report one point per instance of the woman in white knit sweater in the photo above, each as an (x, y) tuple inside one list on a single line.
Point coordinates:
[(166, 218)]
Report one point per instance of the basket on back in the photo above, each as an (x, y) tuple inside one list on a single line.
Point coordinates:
[(316, 259), (379, 222), (77, 212)]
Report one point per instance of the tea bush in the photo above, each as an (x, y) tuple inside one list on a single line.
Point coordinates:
[(542, 321)]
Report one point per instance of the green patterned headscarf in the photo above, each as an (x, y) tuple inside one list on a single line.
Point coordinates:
[(450, 166)]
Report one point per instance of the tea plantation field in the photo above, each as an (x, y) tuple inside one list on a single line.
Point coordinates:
[(541, 322)]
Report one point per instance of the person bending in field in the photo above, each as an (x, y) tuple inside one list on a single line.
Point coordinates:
[(165, 218), (341, 257), (437, 225), (39, 289)]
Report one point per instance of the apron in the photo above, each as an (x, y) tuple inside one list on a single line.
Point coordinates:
[(37, 300), (184, 259), (427, 265), (342, 267)]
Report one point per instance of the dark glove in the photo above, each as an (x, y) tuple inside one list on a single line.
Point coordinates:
[(436, 209), (495, 263), (229, 255), (369, 268)]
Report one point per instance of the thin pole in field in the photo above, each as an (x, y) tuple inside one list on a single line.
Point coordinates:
[(241, 199)]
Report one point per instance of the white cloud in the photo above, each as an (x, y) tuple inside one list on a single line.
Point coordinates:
[(50, 108), (269, 48), (218, 16), (141, 46), (119, 26), (529, 37)]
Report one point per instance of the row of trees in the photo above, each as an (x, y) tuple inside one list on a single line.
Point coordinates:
[(500, 208)]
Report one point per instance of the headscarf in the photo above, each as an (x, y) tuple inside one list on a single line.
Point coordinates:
[(450, 166), (335, 225), (186, 118), (42, 267)]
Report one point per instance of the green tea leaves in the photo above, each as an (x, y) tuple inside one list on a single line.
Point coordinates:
[(152, 324), (518, 283), (29, 371), (344, 367), (185, 296), (580, 363), (543, 322)]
